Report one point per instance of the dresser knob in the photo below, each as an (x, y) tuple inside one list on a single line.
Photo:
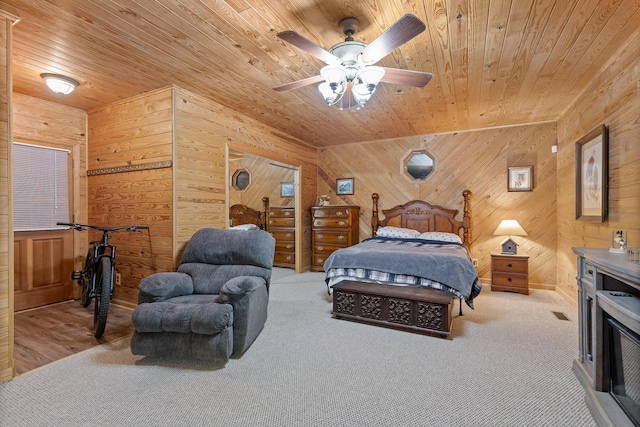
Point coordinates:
[(590, 271), (340, 237), (319, 236), (339, 213), (508, 279), (509, 265), (289, 246), (342, 223), (289, 258)]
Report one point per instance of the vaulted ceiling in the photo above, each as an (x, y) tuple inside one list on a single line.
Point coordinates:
[(495, 62)]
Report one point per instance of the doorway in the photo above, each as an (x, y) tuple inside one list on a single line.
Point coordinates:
[(274, 180)]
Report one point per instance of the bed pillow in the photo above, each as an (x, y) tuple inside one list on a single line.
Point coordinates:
[(440, 236), (397, 232), (245, 227)]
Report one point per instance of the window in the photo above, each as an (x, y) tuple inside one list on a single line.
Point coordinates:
[(40, 187), (418, 165)]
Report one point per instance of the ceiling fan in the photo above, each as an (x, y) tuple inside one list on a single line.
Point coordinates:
[(350, 78)]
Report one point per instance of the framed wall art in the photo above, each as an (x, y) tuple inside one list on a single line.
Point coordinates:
[(287, 189), (592, 175), (344, 186), (520, 178)]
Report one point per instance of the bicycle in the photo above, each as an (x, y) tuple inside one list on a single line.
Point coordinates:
[(96, 279)]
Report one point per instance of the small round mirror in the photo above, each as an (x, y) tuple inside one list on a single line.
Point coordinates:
[(241, 179), (419, 165)]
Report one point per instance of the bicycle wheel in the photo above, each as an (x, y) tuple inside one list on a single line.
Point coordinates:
[(85, 279), (103, 296)]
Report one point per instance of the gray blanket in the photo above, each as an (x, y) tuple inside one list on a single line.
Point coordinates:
[(446, 263)]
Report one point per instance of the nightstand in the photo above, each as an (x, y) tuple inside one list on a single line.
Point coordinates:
[(510, 273)]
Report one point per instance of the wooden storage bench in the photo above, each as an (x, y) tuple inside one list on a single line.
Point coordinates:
[(422, 310)]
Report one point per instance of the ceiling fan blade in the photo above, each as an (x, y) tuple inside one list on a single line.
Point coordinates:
[(298, 84), (395, 36), (308, 46), (399, 76)]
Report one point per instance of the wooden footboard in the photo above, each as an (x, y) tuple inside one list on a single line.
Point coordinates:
[(421, 310)]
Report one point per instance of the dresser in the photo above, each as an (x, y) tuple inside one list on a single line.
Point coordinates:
[(332, 228), (510, 273), (282, 226)]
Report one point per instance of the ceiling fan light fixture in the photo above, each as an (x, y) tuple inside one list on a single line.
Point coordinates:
[(59, 83), (361, 94), (371, 75), (334, 74), (330, 95)]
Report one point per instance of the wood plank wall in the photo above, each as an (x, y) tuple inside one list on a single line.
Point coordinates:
[(195, 134), (6, 215), (475, 160), (135, 131), (613, 100), (54, 125), (211, 123)]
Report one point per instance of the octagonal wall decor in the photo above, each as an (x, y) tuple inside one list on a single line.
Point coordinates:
[(418, 165)]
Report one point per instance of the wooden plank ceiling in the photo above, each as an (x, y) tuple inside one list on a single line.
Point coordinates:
[(495, 62)]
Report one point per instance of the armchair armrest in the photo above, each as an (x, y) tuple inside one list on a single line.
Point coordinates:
[(238, 287), (162, 286), (249, 297)]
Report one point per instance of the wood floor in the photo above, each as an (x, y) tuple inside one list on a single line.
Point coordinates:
[(46, 334)]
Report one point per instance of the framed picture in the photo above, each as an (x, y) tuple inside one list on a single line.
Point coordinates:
[(344, 186), (592, 175), (287, 189), (520, 178)]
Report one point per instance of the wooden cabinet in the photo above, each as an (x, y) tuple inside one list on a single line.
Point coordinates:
[(282, 226), (510, 273), (332, 228)]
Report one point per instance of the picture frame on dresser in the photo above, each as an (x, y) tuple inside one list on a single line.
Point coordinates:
[(520, 178), (287, 189), (344, 186), (592, 175)]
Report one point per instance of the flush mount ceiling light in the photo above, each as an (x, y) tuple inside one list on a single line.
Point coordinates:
[(59, 84), (350, 78)]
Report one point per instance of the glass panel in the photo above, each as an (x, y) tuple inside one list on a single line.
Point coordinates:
[(419, 165)]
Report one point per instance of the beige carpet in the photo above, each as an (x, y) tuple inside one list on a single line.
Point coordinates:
[(508, 364)]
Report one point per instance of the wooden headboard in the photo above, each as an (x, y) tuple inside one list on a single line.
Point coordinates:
[(424, 216), (241, 214)]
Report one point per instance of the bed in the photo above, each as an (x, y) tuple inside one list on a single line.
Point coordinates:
[(240, 215), (407, 275)]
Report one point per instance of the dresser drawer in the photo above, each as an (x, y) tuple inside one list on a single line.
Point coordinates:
[(517, 280), (326, 250), (282, 212), (334, 237), (331, 212), (318, 260), (285, 246), (331, 223), (284, 258), (284, 235), (510, 265), (282, 222)]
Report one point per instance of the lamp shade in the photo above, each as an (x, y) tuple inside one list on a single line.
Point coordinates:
[(509, 227), (59, 84)]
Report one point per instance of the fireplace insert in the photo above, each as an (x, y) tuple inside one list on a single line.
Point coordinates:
[(622, 355)]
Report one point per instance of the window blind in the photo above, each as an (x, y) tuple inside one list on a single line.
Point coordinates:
[(40, 187)]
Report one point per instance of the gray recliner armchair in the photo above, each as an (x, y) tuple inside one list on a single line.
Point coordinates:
[(215, 304)]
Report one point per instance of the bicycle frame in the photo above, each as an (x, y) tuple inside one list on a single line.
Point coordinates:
[(100, 251), (96, 269)]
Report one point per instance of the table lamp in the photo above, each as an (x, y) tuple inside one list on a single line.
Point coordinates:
[(509, 227)]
